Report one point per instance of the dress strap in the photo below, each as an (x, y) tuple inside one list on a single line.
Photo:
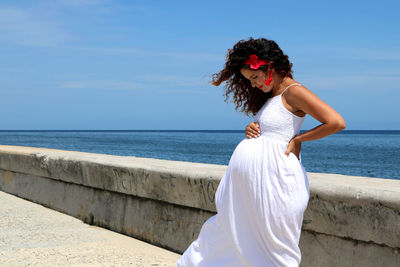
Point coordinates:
[(290, 86)]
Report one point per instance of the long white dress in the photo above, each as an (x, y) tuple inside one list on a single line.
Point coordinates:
[(260, 200)]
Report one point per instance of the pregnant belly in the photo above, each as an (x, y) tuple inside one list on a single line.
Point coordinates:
[(257, 156), (266, 157), (261, 149), (259, 169)]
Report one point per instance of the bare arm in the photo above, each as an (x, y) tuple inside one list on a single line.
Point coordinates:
[(303, 99), (300, 98)]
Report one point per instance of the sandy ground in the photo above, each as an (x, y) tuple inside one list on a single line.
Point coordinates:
[(32, 235)]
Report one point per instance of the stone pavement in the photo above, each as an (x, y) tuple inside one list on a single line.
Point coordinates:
[(32, 235)]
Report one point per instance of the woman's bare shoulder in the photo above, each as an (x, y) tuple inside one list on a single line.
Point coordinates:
[(301, 98), (298, 94)]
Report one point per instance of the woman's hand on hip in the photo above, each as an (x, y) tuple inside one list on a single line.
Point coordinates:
[(253, 130), (294, 146)]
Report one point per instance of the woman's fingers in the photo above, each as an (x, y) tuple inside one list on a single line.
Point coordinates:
[(249, 132), (252, 130), (255, 127), (252, 134)]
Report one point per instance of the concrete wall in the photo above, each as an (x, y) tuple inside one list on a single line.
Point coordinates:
[(350, 221)]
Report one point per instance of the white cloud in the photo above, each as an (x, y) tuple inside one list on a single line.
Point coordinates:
[(145, 82), (24, 27), (136, 51), (386, 52), (73, 85), (103, 84), (191, 55), (81, 3), (173, 80), (364, 82)]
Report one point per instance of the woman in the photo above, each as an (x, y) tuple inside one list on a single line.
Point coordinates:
[(261, 198)]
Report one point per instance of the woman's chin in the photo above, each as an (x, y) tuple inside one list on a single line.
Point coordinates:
[(265, 90)]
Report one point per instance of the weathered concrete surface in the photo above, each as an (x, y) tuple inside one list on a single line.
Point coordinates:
[(358, 208), (166, 202), (32, 235), (322, 250), (183, 183), (160, 223)]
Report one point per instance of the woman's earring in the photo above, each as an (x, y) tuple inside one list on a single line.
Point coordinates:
[(269, 80)]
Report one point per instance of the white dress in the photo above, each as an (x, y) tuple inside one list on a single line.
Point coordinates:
[(260, 200)]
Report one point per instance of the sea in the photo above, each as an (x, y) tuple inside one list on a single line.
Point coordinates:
[(368, 153)]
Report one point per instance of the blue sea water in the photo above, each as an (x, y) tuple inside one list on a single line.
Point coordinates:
[(360, 153)]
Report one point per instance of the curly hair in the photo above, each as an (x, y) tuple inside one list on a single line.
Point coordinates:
[(246, 97)]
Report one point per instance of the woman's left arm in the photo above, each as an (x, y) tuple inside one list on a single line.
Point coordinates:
[(301, 98)]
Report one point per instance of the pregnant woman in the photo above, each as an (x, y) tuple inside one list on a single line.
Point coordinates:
[(262, 197)]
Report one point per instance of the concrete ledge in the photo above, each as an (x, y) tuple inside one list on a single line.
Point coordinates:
[(359, 208), (159, 223), (166, 202), (183, 183), (330, 251)]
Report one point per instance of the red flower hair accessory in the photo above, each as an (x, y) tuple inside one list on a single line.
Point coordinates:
[(254, 62)]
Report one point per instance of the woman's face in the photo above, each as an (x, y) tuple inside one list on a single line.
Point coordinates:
[(257, 78)]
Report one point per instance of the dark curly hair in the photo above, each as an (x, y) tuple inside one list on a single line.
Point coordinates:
[(250, 99)]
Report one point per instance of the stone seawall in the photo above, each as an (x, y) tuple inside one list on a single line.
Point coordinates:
[(350, 221)]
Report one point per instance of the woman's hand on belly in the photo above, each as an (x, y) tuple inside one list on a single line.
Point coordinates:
[(253, 130)]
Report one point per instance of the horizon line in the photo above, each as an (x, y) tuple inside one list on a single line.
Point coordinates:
[(162, 130)]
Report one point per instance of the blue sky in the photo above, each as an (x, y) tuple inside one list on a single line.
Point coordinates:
[(146, 64)]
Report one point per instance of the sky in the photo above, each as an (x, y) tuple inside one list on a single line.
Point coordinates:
[(146, 65)]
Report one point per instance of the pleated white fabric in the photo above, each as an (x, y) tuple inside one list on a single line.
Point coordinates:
[(260, 200)]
